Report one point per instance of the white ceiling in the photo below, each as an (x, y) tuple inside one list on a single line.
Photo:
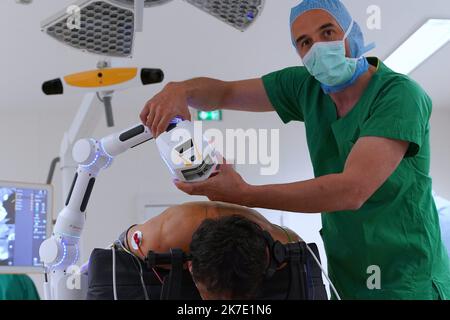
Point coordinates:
[(186, 43)]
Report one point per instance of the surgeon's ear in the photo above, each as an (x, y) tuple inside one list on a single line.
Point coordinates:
[(189, 264)]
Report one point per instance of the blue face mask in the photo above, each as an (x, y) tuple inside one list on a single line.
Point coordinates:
[(327, 62)]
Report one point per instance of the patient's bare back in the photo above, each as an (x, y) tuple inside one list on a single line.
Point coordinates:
[(174, 227)]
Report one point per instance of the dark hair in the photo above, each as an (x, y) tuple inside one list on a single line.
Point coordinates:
[(229, 256)]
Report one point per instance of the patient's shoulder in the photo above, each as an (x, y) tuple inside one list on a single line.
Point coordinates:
[(186, 211), (206, 209)]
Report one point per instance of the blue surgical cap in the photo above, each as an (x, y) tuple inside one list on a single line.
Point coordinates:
[(340, 13)]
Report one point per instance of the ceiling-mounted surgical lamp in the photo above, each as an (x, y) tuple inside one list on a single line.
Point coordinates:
[(108, 27), (104, 80)]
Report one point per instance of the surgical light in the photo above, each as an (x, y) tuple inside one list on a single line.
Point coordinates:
[(108, 27), (240, 14), (147, 3), (426, 41)]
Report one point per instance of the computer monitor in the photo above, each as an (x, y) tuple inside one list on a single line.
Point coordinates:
[(25, 221)]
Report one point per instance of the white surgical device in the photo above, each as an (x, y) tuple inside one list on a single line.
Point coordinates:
[(189, 157)]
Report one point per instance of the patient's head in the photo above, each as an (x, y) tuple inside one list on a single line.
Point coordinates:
[(228, 258)]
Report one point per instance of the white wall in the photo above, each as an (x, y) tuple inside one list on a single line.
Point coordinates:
[(440, 151)]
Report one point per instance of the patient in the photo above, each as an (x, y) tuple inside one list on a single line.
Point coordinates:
[(229, 254)]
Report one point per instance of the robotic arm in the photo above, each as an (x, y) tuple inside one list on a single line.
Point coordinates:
[(61, 251)]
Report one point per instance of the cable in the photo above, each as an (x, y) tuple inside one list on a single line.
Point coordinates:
[(138, 266), (114, 272), (158, 276), (142, 282), (136, 245), (324, 273)]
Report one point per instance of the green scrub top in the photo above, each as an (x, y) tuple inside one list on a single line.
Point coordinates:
[(17, 287), (397, 229)]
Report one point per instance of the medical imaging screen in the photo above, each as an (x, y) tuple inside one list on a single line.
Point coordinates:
[(23, 225)]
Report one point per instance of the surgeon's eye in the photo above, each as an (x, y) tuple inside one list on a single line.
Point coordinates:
[(328, 34), (305, 43)]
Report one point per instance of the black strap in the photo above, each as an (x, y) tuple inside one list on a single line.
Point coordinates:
[(296, 256), (171, 289), (272, 266)]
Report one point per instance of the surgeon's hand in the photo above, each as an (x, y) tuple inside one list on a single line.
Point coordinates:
[(164, 106), (225, 185)]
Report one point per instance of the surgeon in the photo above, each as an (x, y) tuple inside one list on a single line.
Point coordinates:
[(368, 132)]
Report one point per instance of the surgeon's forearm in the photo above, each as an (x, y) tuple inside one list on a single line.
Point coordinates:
[(325, 194), (205, 93), (211, 94)]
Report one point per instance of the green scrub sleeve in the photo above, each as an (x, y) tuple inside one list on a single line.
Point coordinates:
[(401, 112), (284, 90)]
